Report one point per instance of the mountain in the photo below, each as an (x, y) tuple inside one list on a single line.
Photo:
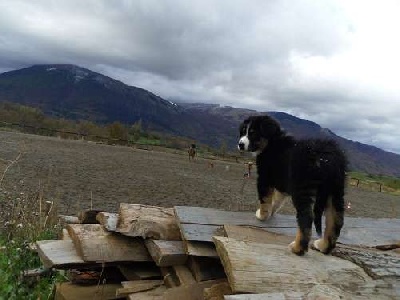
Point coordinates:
[(69, 91)]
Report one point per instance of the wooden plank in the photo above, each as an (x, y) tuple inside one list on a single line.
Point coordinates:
[(108, 220), (148, 222), (377, 264), (201, 224), (217, 291), (247, 264), (69, 291), (93, 243), (258, 235), (272, 296), (166, 253), (68, 219), (199, 232), (210, 216), (58, 254), (140, 271), (193, 291), (206, 268), (131, 287), (185, 277), (170, 278), (204, 249), (153, 294)]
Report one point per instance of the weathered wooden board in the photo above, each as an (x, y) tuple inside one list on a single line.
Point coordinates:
[(69, 291), (377, 264), (94, 244), (272, 296), (258, 235), (148, 222), (131, 287), (166, 253), (204, 249), (183, 274), (108, 220), (153, 294), (217, 291), (248, 265), (58, 254), (201, 224), (193, 291)]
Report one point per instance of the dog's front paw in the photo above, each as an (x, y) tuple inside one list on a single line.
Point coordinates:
[(296, 248), (262, 215)]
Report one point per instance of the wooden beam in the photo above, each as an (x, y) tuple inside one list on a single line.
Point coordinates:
[(131, 287), (93, 243), (193, 291), (166, 253), (203, 249), (185, 277), (108, 220), (201, 224), (148, 222), (217, 291), (247, 264), (69, 291), (258, 235), (153, 294), (58, 254)]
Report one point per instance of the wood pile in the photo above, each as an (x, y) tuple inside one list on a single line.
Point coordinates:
[(147, 252)]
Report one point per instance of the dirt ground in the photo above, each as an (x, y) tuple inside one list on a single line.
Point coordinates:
[(79, 175)]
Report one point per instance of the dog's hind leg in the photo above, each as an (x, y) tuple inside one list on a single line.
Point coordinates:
[(304, 217), (334, 215)]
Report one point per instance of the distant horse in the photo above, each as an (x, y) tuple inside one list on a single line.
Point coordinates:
[(192, 152)]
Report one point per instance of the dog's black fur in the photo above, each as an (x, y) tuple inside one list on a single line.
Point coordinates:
[(303, 169)]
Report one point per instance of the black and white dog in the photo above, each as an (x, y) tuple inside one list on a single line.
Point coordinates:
[(311, 172)]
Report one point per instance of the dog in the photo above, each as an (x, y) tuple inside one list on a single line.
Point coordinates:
[(311, 171)]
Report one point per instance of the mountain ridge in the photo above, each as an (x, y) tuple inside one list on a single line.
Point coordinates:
[(69, 91)]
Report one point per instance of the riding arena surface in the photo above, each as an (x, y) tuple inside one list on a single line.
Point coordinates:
[(78, 175)]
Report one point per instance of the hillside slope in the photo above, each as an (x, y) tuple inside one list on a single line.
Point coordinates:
[(69, 91)]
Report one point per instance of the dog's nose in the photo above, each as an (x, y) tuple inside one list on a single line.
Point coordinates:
[(241, 146)]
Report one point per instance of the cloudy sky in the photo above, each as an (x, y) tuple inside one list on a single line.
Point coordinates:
[(333, 62)]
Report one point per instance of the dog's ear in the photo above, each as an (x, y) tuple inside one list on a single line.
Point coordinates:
[(269, 128)]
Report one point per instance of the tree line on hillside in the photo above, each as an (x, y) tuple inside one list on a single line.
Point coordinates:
[(32, 120)]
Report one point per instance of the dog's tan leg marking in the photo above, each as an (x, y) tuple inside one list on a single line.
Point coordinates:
[(278, 200), (330, 216), (295, 245)]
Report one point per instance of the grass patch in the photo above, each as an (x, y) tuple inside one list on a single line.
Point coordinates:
[(25, 218)]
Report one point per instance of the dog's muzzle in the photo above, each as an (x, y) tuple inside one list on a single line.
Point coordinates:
[(243, 144)]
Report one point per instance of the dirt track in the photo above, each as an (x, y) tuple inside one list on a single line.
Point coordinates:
[(78, 174)]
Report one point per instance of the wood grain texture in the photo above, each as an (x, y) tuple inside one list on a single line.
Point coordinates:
[(166, 253), (94, 244), (108, 220), (201, 224), (58, 254), (267, 268), (148, 222)]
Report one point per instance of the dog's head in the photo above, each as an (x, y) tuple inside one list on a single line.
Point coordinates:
[(256, 132)]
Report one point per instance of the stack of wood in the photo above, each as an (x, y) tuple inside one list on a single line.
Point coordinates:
[(147, 252)]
